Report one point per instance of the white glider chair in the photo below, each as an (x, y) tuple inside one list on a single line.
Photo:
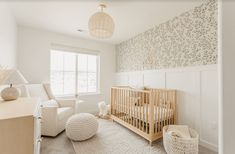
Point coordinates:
[(55, 112)]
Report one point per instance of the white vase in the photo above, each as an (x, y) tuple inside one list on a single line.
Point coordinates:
[(10, 93)]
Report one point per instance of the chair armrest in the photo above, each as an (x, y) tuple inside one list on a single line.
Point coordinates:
[(49, 112), (67, 103), (49, 121)]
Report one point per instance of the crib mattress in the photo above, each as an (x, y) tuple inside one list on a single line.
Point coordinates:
[(140, 112)]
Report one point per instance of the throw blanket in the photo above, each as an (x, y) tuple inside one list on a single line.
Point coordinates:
[(181, 131)]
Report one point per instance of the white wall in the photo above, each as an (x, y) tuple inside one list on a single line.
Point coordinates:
[(227, 72), (8, 37), (34, 60), (197, 96)]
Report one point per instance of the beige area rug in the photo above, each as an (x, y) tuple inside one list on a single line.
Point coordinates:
[(113, 138)]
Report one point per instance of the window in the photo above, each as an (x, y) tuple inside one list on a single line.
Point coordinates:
[(73, 73)]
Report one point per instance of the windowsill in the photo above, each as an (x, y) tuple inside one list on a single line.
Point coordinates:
[(88, 94), (80, 95)]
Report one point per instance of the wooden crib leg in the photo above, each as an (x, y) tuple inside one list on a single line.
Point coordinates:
[(150, 143)]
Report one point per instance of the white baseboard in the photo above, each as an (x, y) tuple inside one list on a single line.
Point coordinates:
[(208, 145)]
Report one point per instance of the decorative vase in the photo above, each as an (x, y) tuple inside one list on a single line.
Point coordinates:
[(10, 93)]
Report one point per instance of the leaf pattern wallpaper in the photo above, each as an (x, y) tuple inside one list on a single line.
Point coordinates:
[(186, 40)]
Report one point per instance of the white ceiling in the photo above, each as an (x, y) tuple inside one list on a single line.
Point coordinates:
[(130, 17)]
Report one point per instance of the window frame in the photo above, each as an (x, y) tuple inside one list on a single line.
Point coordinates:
[(76, 52)]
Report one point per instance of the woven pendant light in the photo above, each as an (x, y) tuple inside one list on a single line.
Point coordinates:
[(101, 24)]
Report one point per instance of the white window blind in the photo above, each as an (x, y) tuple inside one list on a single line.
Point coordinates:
[(74, 73)]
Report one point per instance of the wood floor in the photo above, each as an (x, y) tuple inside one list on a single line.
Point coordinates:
[(62, 145)]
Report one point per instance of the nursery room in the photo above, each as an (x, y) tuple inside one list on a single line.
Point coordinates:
[(116, 77)]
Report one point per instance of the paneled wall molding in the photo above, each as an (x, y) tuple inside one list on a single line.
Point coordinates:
[(197, 98), (189, 39)]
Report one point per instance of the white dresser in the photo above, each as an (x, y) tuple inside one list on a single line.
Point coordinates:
[(20, 126)]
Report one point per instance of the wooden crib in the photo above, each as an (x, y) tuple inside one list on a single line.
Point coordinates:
[(145, 112)]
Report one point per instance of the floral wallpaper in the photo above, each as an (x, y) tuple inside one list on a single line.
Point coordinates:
[(186, 40)]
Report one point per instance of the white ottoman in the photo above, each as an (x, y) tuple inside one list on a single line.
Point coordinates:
[(81, 126)]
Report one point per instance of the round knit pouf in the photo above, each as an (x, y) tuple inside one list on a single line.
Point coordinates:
[(81, 126)]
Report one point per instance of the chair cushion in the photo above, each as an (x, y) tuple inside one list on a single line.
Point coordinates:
[(37, 90), (64, 112), (50, 103)]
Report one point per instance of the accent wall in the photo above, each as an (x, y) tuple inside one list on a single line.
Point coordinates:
[(189, 39)]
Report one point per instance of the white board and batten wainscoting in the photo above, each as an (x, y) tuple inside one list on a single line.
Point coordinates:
[(197, 96)]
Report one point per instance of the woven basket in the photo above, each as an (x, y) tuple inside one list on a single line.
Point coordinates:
[(176, 145)]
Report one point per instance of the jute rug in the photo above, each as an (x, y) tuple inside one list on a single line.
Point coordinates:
[(113, 138)]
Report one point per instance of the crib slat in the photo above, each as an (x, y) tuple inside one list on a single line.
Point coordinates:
[(136, 109), (130, 92), (154, 106), (133, 105), (123, 104), (168, 108), (118, 102), (124, 100), (158, 119), (124, 109), (147, 115), (114, 105), (158, 104), (151, 113), (160, 110), (142, 112), (126, 105), (129, 106), (131, 113), (113, 102), (154, 112), (174, 106), (165, 106), (139, 108)]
